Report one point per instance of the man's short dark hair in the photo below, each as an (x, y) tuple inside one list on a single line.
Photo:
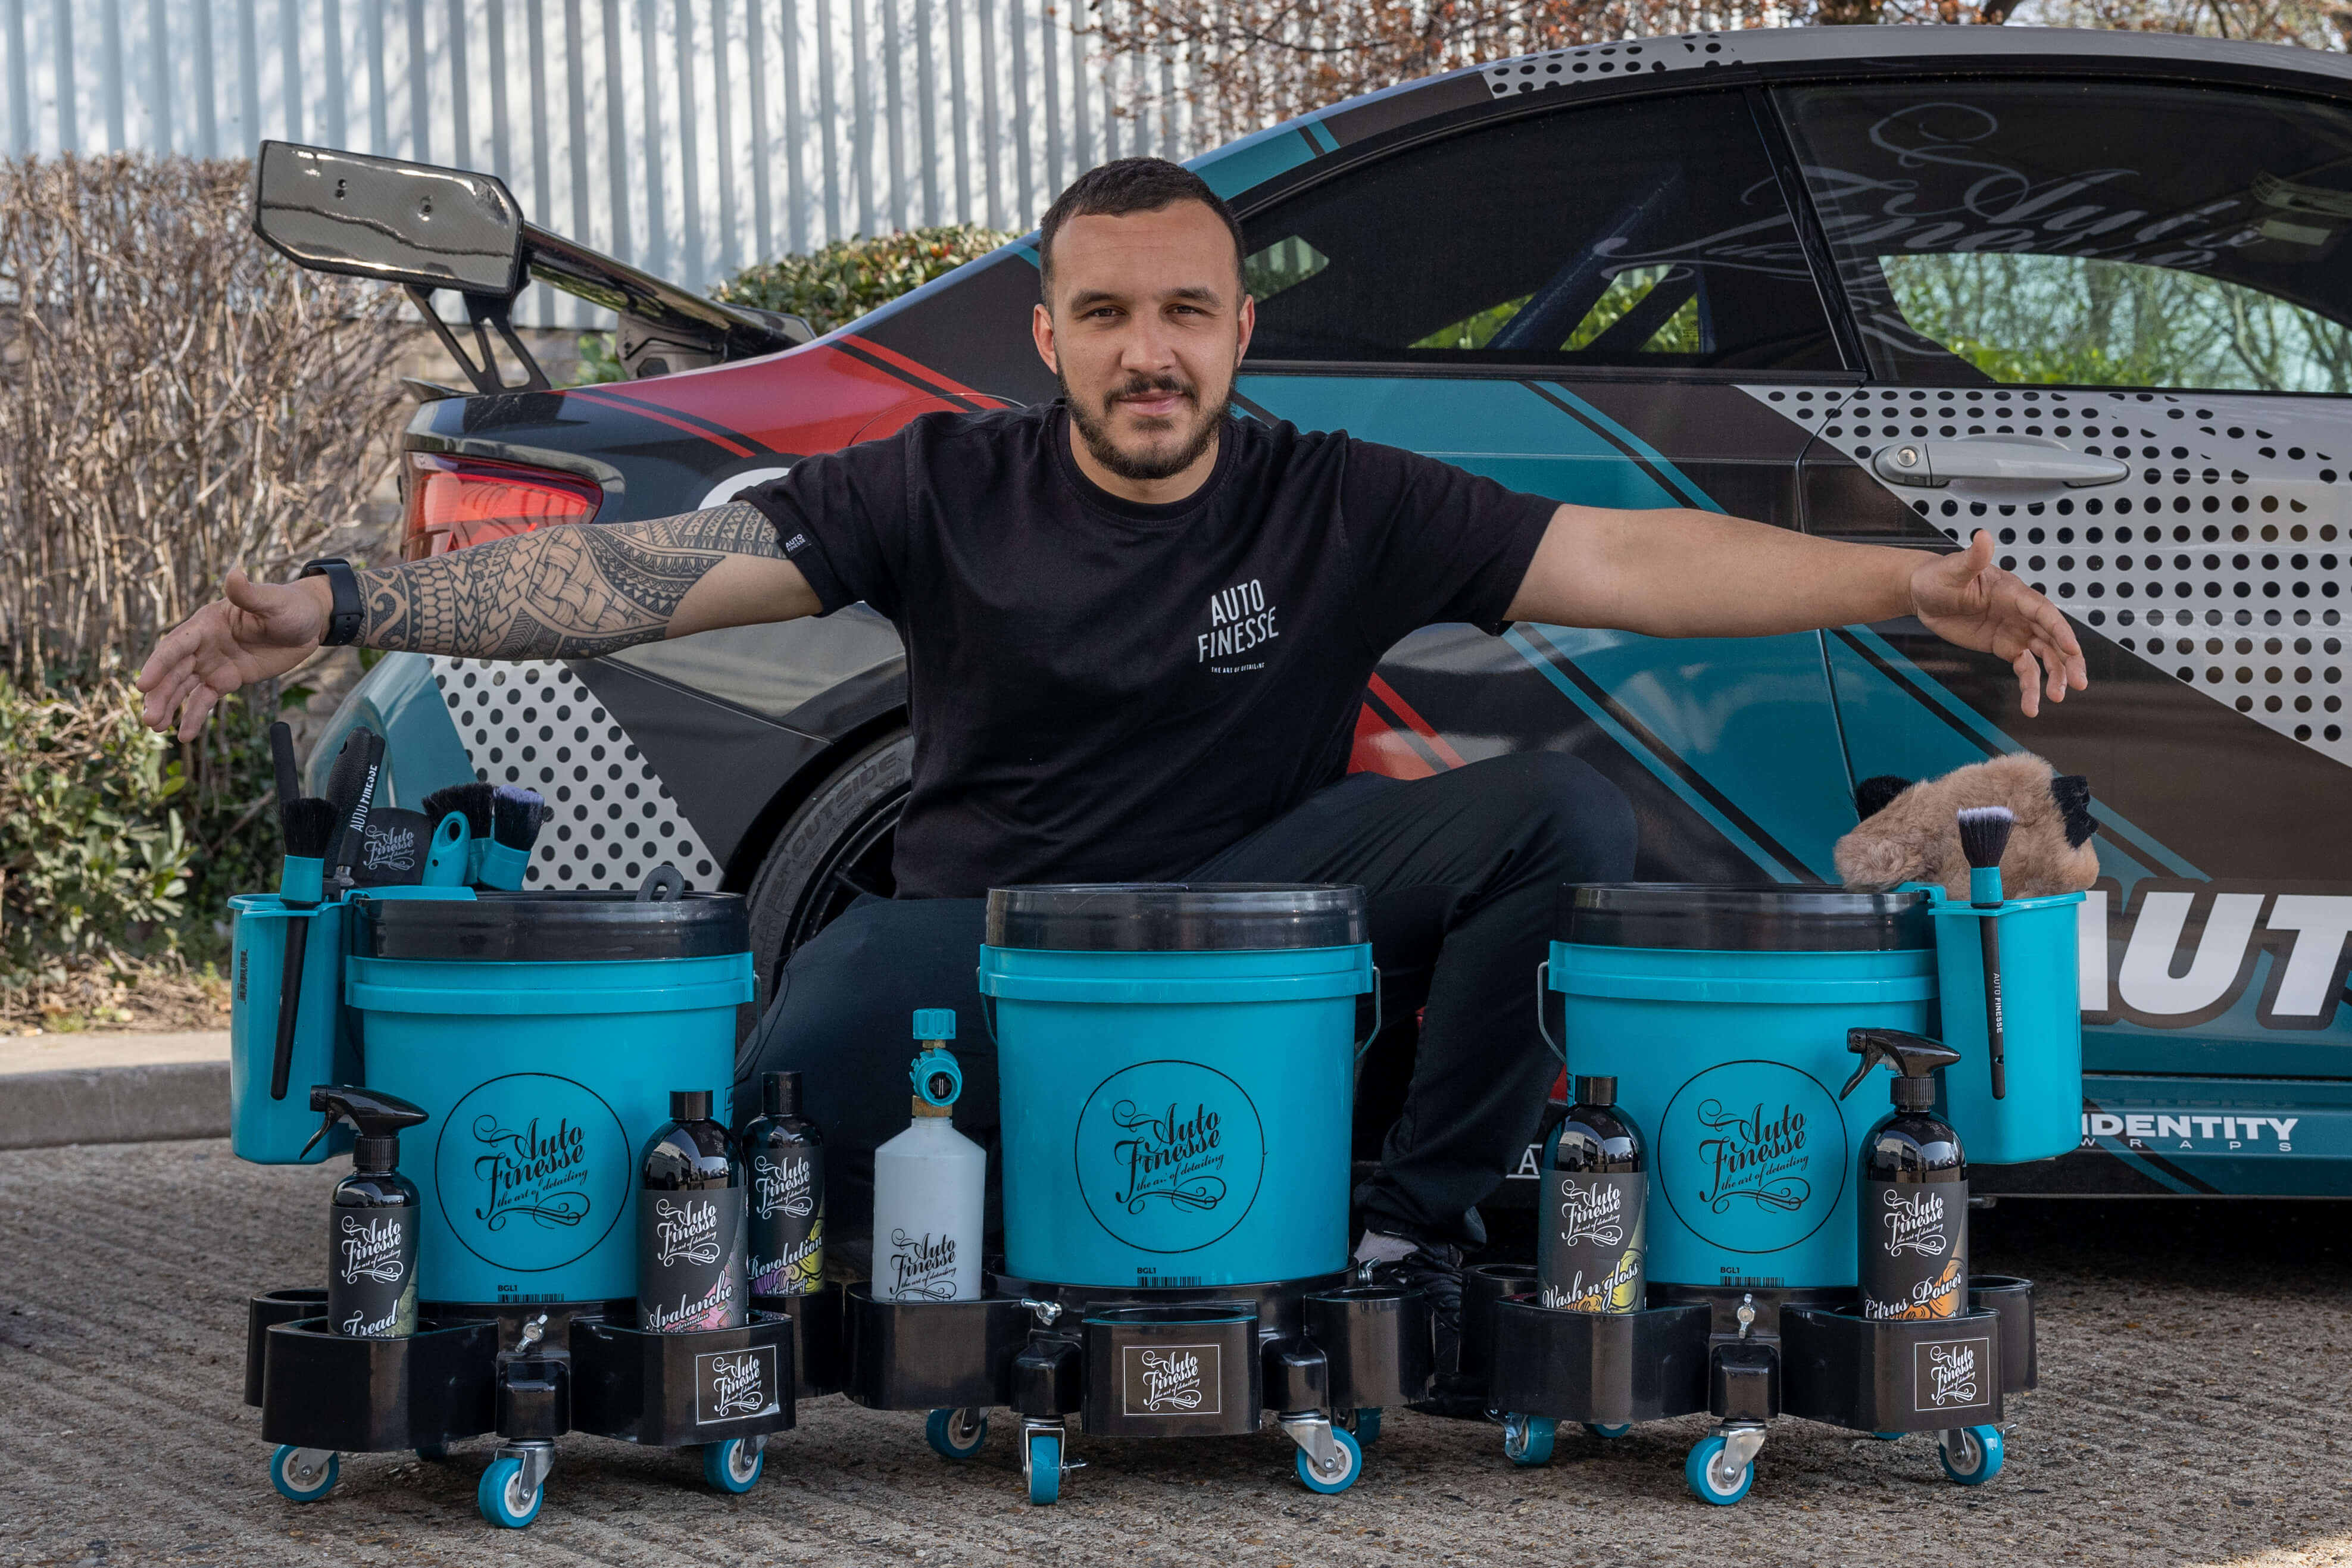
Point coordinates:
[(1129, 185)]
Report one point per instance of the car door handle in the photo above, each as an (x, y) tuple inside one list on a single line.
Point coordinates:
[(1934, 464)]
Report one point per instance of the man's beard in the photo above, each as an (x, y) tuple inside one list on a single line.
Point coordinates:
[(1094, 428)]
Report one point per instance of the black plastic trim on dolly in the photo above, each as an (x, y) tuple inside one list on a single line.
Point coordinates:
[(933, 1355), (1769, 917), (1380, 1342), (569, 925), (670, 1390), (322, 1390), (1612, 1368), (1170, 1371), (1176, 917), (1895, 1374)]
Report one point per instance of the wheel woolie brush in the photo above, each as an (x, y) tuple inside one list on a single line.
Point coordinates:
[(515, 815), (456, 862), (1984, 835)]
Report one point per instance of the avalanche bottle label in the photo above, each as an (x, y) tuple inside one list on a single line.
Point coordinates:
[(1591, 1253), (1914, 1249), (691, 1259)]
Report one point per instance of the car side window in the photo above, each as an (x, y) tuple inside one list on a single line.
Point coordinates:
[(1643, 233), (2106, 234)]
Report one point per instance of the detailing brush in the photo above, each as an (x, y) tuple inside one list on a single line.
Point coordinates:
[(352, 787), (515, 816), (1984, 835), (473, 802), (331, 826)]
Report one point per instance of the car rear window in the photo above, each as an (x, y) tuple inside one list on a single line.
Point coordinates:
[(2091, 234), (1645, 233)]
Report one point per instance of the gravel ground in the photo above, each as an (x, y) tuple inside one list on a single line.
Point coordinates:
[(2191, 1411)]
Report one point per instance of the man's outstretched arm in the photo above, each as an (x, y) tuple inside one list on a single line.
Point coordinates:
[(571, 592), (1700, 574)]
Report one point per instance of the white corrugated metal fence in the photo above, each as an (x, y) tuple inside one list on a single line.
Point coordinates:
[(691, 137)]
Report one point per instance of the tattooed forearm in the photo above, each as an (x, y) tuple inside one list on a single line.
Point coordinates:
[(561, 593)]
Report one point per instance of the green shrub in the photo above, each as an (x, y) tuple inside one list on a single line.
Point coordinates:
[(846, 280)]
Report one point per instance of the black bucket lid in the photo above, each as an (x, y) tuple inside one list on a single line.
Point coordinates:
[(1757, 917), (1176, 917), (554, 927)]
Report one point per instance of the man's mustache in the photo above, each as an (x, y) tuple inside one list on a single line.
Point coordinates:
[(1143, 384)]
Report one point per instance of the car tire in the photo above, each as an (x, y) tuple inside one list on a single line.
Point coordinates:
[(834, 847)]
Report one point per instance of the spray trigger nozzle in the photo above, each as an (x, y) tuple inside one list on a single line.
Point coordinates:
[(1906, 1055), (375, 1115)]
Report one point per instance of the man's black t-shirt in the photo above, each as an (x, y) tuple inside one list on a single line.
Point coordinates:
[(1108, 691)]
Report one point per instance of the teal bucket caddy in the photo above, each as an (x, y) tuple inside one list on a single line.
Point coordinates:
[(2040, 1116), (543, 1033), (1176, 1069)]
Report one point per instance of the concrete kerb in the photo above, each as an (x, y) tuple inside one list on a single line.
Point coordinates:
[(112, 1088)]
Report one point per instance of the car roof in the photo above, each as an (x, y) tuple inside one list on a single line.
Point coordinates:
[(1251, 161)]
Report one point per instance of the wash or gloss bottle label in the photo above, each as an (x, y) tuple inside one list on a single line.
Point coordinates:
[(371, 1273), (1915, 1242), (787, 1241), (691, 1259), (1589, 1258)]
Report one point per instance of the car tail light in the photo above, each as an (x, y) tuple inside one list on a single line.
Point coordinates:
[(452, 502)]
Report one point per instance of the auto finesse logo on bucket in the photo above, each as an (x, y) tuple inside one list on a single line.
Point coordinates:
[(1752, 1156), (1172, 1380), (1170, 1155), (532, 1171)]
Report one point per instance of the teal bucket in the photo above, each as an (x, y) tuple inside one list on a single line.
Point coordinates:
[(2039, 1116), (1722, 1012), (1176, 1076), (543, 1034)]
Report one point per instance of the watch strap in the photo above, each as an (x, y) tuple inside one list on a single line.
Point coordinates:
[(348, 614)]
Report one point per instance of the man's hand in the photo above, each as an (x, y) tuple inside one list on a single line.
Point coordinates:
[(260, 631), (1968, 600)]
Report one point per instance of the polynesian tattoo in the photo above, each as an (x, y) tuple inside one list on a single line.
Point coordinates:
[(557, 593)]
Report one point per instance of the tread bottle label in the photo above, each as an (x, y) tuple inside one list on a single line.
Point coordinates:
[(1593, 1240), (1914, 1249), (787, 1241), (371, 1273)]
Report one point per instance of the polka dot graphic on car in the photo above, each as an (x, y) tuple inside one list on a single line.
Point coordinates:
[(1558, 67), (2222, 559), (609, 821)]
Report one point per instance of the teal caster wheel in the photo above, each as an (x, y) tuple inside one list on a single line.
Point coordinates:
[(1971, 1455), (1344, 1467), (1368, 1424), (1709, 1474), (1044, 1467), (1888, 1436), (303, 1474), (1527, 1439), (1607, 1430), (956, 1433), (735, 1465), (505, 1499)]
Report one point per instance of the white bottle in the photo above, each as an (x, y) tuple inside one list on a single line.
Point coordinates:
[(928, 1185)]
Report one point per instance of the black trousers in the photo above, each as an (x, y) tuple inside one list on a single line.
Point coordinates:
[(1459, 871)]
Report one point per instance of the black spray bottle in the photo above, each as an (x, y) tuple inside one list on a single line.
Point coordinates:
[(1588, 1257), (783, 1162), (372, 1223), (1915, 1187), (690, 1223)]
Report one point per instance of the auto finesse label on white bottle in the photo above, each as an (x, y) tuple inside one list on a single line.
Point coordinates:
[(1914, 1249), (371, 1273), (917, 1268), (787, 1240), (1592, 1243), (690, 1260)]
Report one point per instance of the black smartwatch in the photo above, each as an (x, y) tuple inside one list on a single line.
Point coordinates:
[(348, 615)]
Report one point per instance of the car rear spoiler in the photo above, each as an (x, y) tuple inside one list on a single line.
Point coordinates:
[(428, 228)]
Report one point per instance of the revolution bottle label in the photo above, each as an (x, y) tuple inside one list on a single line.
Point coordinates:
[(690, 1260), (371, 1273), (1914, 1249), (787, 1241), (1591, 1253)]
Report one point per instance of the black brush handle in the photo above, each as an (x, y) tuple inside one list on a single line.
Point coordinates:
[(1996, 1055), (289, 1004), (281, 751), (354, 840)]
